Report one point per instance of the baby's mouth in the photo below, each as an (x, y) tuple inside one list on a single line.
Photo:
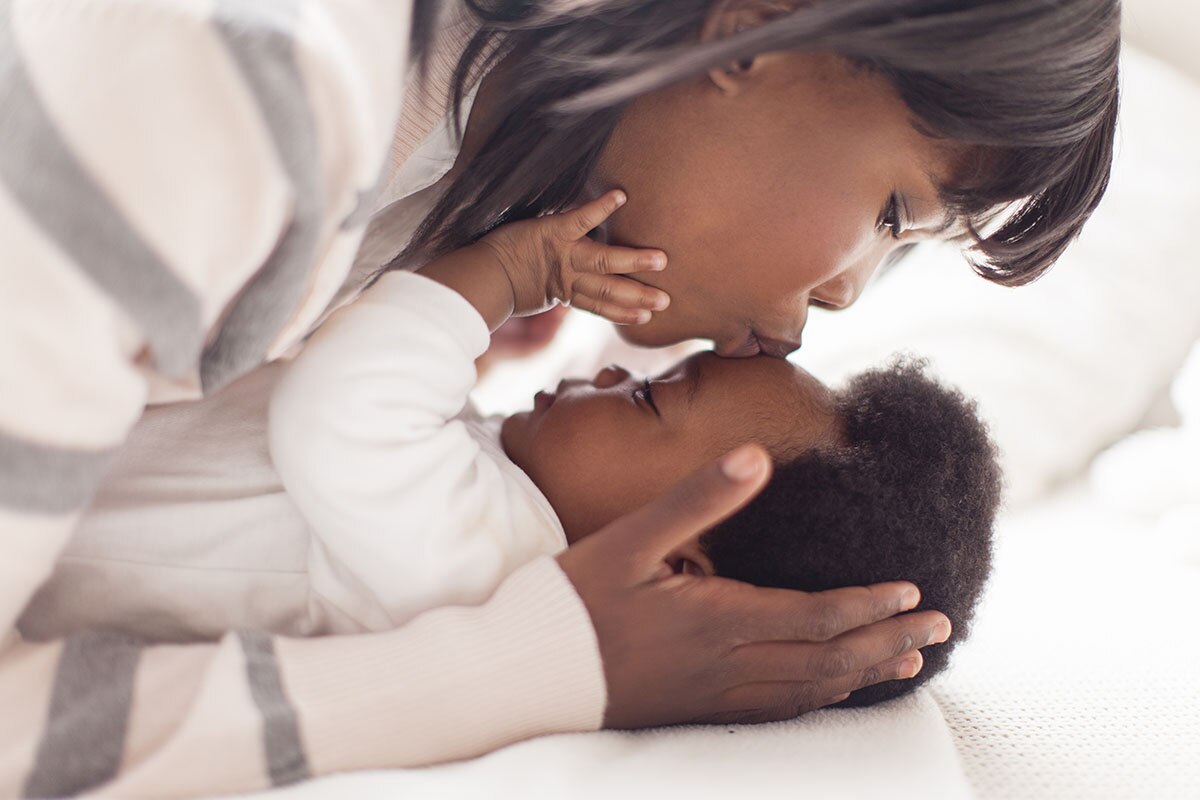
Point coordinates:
[(543, 400)]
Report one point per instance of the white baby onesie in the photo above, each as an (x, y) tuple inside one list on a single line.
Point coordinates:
[(390, 494)]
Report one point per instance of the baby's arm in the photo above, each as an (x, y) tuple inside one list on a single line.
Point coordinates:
[(525, 267), (406, 510), (363, 436)]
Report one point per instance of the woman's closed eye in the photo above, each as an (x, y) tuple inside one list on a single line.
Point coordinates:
[(645, 394)]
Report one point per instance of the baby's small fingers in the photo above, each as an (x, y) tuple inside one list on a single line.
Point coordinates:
[(589, 256), (577, 223), (612, 312), (618, 291)]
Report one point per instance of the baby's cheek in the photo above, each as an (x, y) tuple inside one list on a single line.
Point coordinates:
[(652, 474)]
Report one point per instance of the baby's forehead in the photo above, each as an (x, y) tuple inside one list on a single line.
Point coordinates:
[(763, 398), (707, 372)]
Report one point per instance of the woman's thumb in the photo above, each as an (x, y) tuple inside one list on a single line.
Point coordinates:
[(706, 497)]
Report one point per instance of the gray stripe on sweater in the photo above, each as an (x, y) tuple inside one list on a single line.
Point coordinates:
[(261, 40), (84, 738), (286, 760), (47, 479), (67, 204)]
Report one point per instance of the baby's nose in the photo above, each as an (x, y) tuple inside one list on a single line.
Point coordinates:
[(610, 376)]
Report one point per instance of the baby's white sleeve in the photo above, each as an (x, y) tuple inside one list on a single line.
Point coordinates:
[(364, 436)]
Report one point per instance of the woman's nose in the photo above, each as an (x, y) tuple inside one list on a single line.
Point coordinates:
[(844, 288), (610, 376), (836, 294)]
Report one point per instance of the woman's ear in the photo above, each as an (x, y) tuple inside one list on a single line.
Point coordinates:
[(729, 18), (690, 559)]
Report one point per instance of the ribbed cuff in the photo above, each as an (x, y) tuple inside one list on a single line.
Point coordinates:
[(453, 683)]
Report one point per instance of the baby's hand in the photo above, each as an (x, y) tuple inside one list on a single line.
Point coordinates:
[(551, 258)]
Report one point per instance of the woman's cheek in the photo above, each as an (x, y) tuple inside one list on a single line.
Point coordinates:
[(662, 330)]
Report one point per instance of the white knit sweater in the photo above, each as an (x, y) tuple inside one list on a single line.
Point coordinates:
[(183, 187)]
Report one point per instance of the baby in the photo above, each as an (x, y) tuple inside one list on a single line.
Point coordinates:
[(416, 501)]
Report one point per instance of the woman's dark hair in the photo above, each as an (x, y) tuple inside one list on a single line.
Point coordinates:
[(1032, 83), (425, 14), (910, 494)]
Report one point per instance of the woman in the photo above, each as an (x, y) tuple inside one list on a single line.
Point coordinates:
[(765, 183), (185, 191)]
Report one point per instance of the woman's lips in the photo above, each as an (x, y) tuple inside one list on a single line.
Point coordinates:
[(753, 344), (745, 348), (777, 348)]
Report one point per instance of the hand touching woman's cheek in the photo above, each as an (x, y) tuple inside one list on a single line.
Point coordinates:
[(771, 189)]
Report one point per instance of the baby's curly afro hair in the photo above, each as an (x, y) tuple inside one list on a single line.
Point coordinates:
[(909, 494)]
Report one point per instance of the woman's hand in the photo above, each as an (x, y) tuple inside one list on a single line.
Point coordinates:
[(681, 648), (551, 259)]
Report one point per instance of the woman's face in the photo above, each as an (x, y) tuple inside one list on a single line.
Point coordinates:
[(771, 189)]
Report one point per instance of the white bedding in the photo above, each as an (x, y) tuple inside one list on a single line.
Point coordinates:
[(907, 746), (1078, 683)]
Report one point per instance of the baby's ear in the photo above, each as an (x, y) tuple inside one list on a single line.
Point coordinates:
[(690, 559)]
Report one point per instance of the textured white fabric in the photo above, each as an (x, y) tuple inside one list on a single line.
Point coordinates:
[(901, 749), (1079, 681)]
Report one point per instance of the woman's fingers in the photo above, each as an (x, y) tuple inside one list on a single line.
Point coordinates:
[(849, 654), (777, 700), (622, 294), (782, 615)]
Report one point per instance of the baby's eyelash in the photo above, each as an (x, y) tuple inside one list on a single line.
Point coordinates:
[(647, 395)]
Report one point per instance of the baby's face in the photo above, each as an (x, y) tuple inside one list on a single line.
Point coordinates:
[(599, 449)]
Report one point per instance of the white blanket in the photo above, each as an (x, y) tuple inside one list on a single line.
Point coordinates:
[(900, 749), (1079, 682)]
